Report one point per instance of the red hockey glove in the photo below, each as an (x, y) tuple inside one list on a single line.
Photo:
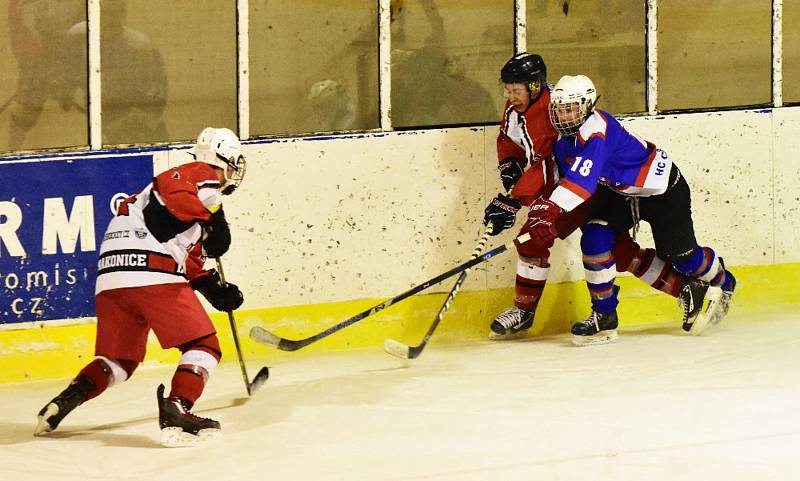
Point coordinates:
[(542, 220)]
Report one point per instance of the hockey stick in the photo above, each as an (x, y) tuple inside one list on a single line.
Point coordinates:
[(404, 351), (263, 373), (263, 336), (401, 350)]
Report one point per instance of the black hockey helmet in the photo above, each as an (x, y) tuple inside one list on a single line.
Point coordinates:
[(524, 68)]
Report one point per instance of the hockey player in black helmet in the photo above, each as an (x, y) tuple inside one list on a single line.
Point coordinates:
[(527, 171), (528, 69)]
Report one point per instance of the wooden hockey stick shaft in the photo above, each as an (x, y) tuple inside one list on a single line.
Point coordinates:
[(398, 349), (263, 373), (264, 336), (401, 350)]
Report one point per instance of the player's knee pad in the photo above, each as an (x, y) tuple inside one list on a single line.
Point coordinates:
[(597, 237), (209, 344)]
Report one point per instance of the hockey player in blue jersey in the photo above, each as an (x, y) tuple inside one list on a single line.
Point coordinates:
[(631, 180)]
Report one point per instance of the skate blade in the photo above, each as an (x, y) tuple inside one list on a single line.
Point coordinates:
[(42, 426), (719, 309), (178, 438), (493, 336), (706, 315), (602, 337)]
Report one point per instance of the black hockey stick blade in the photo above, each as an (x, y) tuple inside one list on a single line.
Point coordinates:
[(263, 373), (263, 336), (258, 381)]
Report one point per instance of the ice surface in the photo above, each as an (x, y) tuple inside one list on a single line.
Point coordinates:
[(655, 405)]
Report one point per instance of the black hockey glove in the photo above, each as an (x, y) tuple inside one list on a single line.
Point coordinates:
[(501, 213), (216, 235), (224, 297), (510, 172)]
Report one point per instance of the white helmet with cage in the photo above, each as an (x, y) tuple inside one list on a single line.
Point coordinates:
[(571, 102), (221, 148)]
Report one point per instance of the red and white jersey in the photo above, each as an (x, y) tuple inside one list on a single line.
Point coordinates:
[(528, 138), (155, 236)]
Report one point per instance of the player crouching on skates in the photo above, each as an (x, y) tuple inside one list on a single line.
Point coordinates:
[(151, 261), (629, 179), (527, 170)]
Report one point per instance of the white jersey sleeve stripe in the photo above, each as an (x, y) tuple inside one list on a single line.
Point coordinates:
[(565, 198)]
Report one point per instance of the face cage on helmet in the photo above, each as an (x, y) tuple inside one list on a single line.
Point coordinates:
[(239, 168), (567, 127)]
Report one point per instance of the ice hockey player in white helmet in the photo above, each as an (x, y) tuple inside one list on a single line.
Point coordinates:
[(629, 179), (572, 101), (221, 148), (148, 281), (527, 170)]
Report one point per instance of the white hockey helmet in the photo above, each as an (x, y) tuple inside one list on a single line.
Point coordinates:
[(221, 148), (571, 102)]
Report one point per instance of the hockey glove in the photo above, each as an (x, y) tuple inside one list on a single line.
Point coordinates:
[(501, 213), (542, 220), (510, 172), (224, 297), (216, 235)]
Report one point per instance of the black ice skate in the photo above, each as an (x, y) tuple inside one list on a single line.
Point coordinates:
[(691, 299), (179, 427), (73, 396), (599, 328), (512, 323)]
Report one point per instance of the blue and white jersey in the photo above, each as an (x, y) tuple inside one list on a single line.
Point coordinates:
[(604, 152)]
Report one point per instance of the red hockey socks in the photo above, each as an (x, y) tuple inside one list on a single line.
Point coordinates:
[(105, 372), (531, 279), (199, 360), (644, 264)]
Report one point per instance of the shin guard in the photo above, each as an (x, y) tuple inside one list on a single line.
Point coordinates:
[(644, 264), (531, 279), (199, 360), (105, 372), (702, 263), (599, 264)]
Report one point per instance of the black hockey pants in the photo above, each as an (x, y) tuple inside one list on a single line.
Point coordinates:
[(669, 215)]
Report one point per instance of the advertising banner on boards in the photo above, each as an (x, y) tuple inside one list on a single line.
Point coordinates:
[(53, 214)]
